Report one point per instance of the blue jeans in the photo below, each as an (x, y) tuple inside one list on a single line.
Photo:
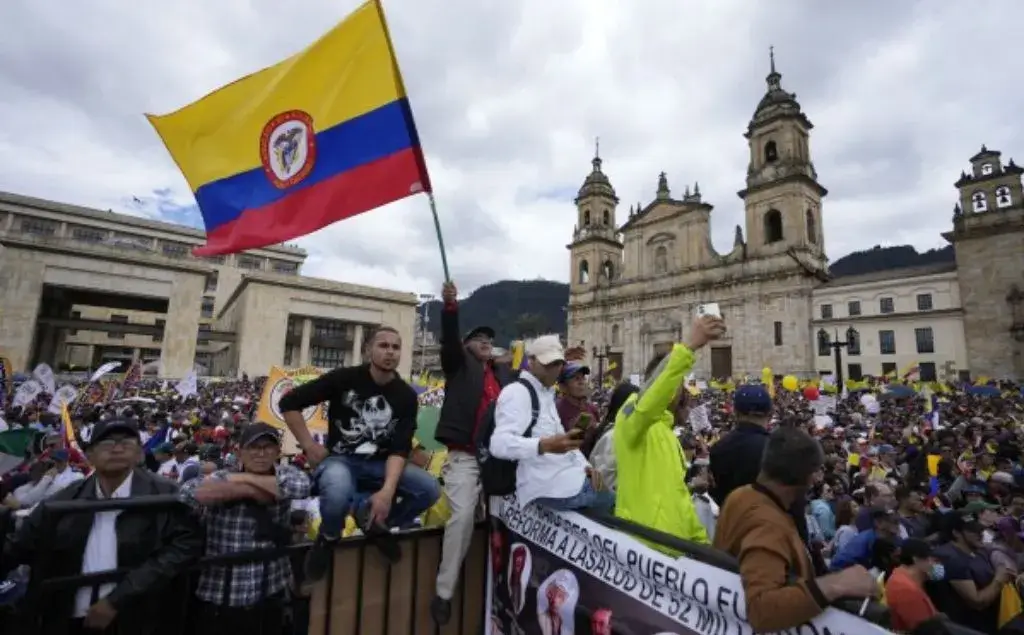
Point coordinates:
[(587, 498), (341, 479)]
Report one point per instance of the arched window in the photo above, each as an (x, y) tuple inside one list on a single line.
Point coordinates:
[(606, 217), (824, 344), (812, 228), (772, 226), (586, 217), (660, 259), (852, 341), (979, 202), (608, 269), (1003, 198), (986, 169), (584, 273), (615, 335), (771, 152)]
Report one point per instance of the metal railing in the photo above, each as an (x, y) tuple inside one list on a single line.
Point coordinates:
[(361, 595)]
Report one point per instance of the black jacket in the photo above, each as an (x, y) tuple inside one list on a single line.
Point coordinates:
[(464, 384), (155, 546), (735, 460)]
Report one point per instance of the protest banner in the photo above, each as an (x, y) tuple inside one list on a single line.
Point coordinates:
[(560, 573), (279, 382)]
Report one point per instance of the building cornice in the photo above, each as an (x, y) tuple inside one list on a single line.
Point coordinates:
[(19, 204), (774, 183), (883, 317), (318, 285), (594, 239), (75, 248)]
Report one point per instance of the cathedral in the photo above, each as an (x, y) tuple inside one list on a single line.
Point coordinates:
[(635, 287)]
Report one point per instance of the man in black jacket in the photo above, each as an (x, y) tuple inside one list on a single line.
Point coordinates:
[(736, 458), (153, 546), (472, 382)]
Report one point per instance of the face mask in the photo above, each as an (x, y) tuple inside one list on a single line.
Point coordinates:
[(937, 572)]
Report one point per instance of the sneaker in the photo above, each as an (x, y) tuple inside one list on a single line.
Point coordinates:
[(379, 536), (318, 560), (440, 610)]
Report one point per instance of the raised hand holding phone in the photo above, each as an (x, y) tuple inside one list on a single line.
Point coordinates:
[(711, 308), (707, 327)]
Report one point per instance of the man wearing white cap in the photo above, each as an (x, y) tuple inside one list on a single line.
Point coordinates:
[(551, 471)]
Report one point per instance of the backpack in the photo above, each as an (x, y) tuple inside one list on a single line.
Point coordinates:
[(498, 476)]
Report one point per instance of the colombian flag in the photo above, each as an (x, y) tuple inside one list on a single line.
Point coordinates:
[(320, 137), (68, 429)]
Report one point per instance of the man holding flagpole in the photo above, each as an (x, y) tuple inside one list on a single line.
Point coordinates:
[(472, 382)]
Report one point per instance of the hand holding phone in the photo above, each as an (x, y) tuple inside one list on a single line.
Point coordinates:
[(707, 327), (711, 308), (583, 421)]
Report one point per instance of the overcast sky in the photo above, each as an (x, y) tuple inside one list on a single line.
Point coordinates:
[(508, 98)]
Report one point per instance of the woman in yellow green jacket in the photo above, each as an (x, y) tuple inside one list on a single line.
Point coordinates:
[(650, 466)]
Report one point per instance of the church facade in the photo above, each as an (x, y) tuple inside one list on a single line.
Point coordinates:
[(635, 287)]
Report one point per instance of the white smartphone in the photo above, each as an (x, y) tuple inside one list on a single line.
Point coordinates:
[(711, 308)]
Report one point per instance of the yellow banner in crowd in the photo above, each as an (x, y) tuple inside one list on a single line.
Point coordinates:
[(279, 382)]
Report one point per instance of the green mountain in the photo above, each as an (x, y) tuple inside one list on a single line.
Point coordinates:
[(885, 258), (518, 309), (515, 309)]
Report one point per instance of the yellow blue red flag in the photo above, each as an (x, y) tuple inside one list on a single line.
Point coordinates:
[(322, 136), (68, 429)]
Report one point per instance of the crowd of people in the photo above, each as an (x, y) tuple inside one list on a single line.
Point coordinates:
[(914, 496)]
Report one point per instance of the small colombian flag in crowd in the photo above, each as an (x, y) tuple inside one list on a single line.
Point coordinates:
[(320, 137)]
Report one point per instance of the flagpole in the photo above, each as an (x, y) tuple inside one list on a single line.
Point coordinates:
[(440, 238), (430, 192)]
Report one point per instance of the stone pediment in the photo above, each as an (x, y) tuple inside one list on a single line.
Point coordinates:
[(656, 212)]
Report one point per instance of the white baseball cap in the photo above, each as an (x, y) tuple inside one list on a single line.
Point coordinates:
[(546, 348)]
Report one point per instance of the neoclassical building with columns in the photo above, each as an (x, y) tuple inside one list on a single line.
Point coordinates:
[(80, 287), (635, 285)]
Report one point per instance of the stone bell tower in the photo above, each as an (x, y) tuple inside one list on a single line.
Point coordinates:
[(595, 255), (988, 236), (595, 248), (783, 196)]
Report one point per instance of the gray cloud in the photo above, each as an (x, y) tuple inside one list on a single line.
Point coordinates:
[(508, 98)]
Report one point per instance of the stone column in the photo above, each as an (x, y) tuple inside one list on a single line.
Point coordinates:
[(261, 335), (21, 290), (357, 345), (178, 351), (307, 333), (136, 354), (47, 347)]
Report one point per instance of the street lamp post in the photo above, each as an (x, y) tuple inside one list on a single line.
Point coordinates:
[(425, 298), (601, 355), (837, 347)]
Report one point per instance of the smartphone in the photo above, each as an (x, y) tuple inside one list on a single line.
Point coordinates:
[(711, 308), (583, 422)]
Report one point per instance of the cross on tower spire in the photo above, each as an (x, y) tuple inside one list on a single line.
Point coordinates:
[(596, 161), (774, 79)]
